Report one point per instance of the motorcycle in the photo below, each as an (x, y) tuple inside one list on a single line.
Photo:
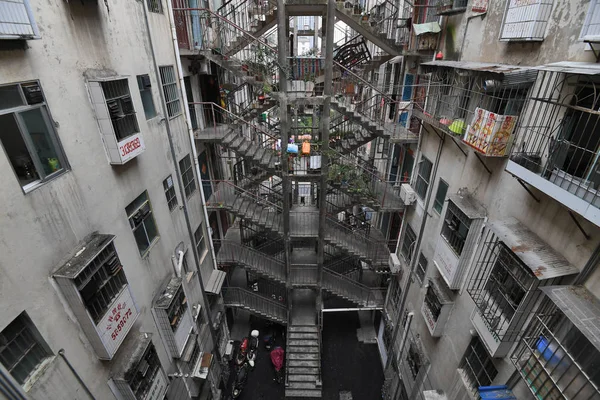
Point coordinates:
[(242, 353), (277, 355), (253, 347), (240, 381)]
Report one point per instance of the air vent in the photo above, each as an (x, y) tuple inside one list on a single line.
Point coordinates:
[(33, 93)]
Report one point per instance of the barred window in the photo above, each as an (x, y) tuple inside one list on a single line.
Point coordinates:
[(142, 222), (21, 348), (200, 242), (146, 372), (120, 108), (423, 176), (477, 365), (440, 196), (432, 303), (455, 228), (407, 243), (169, 84), (414, 360), (177, 308), (187, 175), (154, 6), (421, 268), (170, 192)]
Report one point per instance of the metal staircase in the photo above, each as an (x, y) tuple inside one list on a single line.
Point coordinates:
[(255, 304), (303, 362)]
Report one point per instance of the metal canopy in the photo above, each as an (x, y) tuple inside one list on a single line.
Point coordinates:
[(478, 66), (215, 282), (468, 205), (580, 306), (124, 366), (83, 254), (571, 67), (537, 255)]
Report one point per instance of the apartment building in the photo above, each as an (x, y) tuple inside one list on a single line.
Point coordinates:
[(108, 283)]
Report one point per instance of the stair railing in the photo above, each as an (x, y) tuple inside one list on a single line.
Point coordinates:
[(303, 274), (234, 253), (352, 289), (239, 297)]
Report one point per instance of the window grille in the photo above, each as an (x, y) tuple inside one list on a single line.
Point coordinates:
[(195, 355), (142, 222), (199, 241), (556, 359), (120, 108), (145, 373), (154, 6), (526, 20), (187, 175), (20, 349), (28, 135), (407, 243), (169, 84), (421, 268), (440, 196), (455, 228), (591, 26), (170, 192), (145, 86), (477, 366), (16, 20), (423, 176), (177, 308), (101, 282), (432, 303)]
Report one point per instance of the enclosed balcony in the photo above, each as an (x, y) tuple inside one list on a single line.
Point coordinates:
[(559, 353), (557, 148)]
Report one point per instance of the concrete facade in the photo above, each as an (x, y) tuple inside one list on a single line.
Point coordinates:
[(79, 41)]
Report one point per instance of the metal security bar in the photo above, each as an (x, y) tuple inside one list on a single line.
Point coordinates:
[(559, 136), (455, 227), (169, 85), (556, 360), (120, 108), (477, 366)]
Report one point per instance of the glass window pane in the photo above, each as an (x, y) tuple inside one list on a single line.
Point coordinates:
[(10, 97), (42, 139), (16, 150), (150, 227), (140, 238), (440, 196)]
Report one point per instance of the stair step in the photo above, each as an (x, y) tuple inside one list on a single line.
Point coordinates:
[(302, 393), (303, 363), (302, 370), (302, 342), (309, 328), (303, 335), (301, 385), (303, 356), (302, 349), (302, 378)]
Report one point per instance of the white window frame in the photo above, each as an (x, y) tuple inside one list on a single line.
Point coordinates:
[(147, 95), (187, 176), (593, 8), (29, 142), (168, 81), (437, 192), (418, 176), (133, 226), (170, 193), (12, 9), (537, 31), (421, 270), (200, 239)]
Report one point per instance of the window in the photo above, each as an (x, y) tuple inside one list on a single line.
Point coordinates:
[(414, 359), (591, 25), (142, 222), (170, 192), (421, 268), (440, 196), (187, 175), (145, 86), (455, 228), (433, 304), (477, 365), (177, 308), (28, 135), (21, 349), (154, 6), (120, 108), (407, 243), (169, 84), (200, 242), (423, 176), (101, 282), (526, 21), (145, 373), (16, 20)]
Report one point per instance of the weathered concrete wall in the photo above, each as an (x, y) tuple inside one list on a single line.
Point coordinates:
[(39, 228)]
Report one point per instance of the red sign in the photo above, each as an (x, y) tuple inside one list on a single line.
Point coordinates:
[(130, 146), (118, 319)]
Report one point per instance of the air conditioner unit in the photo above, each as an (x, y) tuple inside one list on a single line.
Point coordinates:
[(407, 194)]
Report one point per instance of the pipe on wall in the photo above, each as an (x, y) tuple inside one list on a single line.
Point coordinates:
[(61, 353)]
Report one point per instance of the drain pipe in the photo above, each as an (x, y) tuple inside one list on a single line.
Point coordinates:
[(61, 353), (415, 252), (163, 102)]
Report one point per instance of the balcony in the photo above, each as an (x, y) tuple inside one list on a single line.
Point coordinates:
[(512, 264), (559, 352), (557, 145)]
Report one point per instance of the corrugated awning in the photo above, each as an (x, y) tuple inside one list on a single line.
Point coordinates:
[(429, 27), (468, 205), (537, 255), (479, 66), (215, 282), (571, 67), (580, 306)]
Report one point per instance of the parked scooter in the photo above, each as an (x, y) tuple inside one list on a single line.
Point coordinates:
[(242, 353), (240, 381), (253, 347), (277, 355)]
